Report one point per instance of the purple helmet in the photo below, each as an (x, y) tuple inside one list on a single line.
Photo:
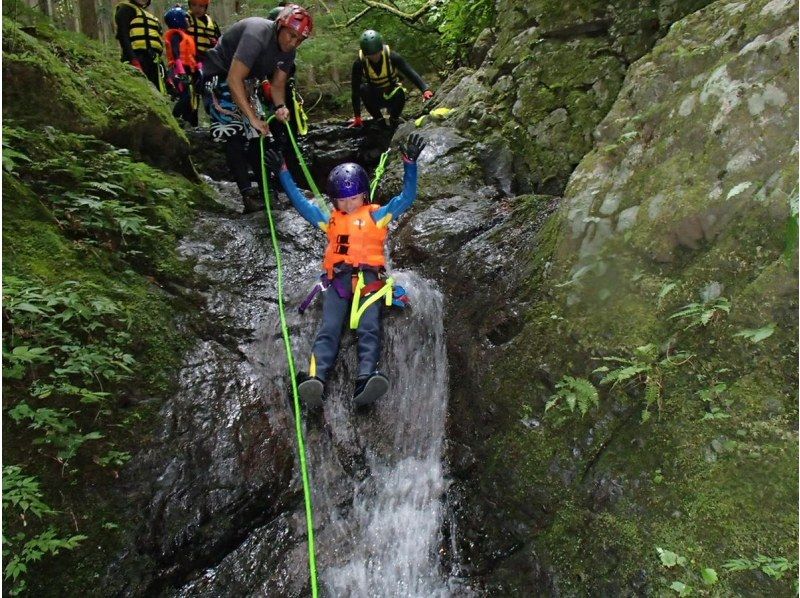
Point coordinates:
[(346, 180)]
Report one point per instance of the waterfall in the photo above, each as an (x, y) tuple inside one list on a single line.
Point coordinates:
[(384, 541)]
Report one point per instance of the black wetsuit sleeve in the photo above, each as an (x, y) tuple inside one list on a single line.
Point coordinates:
[(123, 18), (401, 65), (355, 85)]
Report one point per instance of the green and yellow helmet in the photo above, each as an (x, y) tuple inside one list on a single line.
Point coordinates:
[(371, 42)]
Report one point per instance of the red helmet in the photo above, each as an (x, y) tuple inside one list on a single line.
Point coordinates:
[(297, 18)]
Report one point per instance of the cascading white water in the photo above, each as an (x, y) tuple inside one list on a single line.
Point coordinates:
[(383, 539)]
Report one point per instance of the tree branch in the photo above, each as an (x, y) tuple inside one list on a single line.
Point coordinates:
[(410, 17)]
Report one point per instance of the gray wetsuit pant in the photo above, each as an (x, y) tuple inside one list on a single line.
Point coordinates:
[(336, 318)]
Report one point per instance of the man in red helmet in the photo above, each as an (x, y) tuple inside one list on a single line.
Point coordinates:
[(249, 51)]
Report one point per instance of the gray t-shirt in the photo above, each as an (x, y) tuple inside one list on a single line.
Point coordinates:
[(253, 41)]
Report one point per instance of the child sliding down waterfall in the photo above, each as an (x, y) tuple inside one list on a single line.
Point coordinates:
[(355, 270)]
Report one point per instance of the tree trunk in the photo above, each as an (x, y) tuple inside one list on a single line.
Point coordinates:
[(88, 18)]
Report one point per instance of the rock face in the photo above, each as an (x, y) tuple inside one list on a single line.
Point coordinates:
[(683, 195), (553, 74)]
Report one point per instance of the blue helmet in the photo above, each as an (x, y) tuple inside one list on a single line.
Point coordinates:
[(347, 180), (176, 18)]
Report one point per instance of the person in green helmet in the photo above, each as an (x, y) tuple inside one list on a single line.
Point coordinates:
[(375, 81)]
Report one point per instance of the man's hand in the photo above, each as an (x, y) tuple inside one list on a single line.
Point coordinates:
[(355, 123), (260, 126), (412, 147), (274, 160), (427, 94), (282, 114)]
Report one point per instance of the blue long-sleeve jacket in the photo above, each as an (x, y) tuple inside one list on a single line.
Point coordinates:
[(382, 216)]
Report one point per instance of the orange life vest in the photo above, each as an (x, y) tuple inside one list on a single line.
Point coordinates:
[(354, 239), (187, 49)]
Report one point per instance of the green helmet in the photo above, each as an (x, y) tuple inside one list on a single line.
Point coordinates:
[(371, 42), (273, 14)]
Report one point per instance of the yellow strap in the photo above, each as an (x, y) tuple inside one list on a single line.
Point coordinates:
[(161, 76), (357, 311), (299, 114), (390, 95)]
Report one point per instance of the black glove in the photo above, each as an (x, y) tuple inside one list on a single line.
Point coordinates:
[(274, 160), (412, 147)]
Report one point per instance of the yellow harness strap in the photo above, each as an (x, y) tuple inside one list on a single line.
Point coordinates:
[(162, 75), (299, 113), (356, 310)]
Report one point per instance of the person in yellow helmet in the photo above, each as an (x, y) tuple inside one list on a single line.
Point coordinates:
[(139, 34)]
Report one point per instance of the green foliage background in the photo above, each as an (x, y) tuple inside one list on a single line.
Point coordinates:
[(434, 45), (89, 337)]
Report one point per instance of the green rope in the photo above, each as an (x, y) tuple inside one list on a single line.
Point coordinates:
[(317, 195), (378, 173), (312, 560)]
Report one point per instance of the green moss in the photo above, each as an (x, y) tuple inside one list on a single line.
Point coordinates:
[(46, 242), (88, 91)]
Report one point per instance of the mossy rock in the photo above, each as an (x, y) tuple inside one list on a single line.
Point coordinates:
[(64, 80)]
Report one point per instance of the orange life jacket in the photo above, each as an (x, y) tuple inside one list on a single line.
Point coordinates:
[(354, 239), (187, 49)]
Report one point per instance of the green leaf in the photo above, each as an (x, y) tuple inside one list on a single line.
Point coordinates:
[(623, 374), (665, 290), (757, 335), (709, 576), (28, 307), (681, 588), (15, 568), (669, 558)]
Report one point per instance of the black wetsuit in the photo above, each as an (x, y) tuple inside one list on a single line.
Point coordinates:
[(148, 59), (376, 98)]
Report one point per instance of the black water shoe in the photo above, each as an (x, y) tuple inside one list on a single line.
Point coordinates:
[(370, 389), (252, 200), (311, 391)]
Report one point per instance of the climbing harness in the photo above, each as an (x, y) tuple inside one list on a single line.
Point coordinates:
[(373, 292), (399, 297), (383, 77), (312, 561), (378, 173)]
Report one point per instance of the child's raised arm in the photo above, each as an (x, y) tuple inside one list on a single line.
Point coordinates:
[(400, 203), (308, 209)]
